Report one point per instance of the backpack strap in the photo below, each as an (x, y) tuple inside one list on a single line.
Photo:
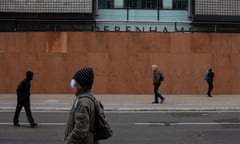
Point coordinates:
[(90, 96)]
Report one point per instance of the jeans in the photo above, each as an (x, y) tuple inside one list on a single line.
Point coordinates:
[(157, 94)]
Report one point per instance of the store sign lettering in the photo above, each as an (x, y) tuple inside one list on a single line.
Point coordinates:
[(139, 29)]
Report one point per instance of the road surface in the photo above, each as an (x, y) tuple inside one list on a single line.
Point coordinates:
[(131, 128)]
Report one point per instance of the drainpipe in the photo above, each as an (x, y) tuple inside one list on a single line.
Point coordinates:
[(158, 10)]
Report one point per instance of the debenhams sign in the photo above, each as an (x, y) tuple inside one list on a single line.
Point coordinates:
[(142, 28)]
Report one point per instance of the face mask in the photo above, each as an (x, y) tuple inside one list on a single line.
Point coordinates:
[(73, 84)]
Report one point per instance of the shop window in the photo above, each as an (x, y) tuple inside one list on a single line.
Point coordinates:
[(145, 4), (142, 4), (180, 4), (133, 4), (151, 4), (106, 4)]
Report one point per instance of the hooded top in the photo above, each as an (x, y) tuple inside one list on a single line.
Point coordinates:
[(23, 89)]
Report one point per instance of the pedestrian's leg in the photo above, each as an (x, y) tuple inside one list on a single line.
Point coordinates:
[(208, 93), (210, 89), (162, 98), (29, 113), (17, 113), (159, 95), (156, 86)]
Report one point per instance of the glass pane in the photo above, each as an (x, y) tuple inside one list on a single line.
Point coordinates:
[(180, 4), (106, 4), (167, 4)]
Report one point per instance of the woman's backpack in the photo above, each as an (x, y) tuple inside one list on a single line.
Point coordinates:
[(102, 128)]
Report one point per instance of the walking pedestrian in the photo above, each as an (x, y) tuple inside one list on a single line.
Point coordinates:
[(209, 78), (157, 80), (81, 122), (23, 100)]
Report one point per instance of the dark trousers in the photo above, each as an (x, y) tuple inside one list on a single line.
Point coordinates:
[(27, 110), (210, 88), (156, 93)]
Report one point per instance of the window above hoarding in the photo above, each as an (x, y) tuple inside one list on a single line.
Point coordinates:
[(217, 10), (47, 9), (47, 6), (143, 4), (180, 4)]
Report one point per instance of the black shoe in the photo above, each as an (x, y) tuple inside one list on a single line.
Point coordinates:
[(162, 101), (155, 102), (34, 125), (210, 96), (16, 124)]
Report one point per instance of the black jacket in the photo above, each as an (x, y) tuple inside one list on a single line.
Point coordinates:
[(210, 77), (23, 91)]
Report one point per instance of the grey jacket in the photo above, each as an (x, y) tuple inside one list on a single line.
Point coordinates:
[(80, 124)]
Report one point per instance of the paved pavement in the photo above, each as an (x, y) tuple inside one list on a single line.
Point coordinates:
[(63, 102)]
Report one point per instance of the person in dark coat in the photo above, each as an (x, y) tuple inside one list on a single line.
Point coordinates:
[(210, 78), (157, 80), (23, 100)]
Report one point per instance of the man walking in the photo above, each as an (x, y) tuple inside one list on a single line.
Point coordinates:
[(81, 122), (209, 79), (157, 79), (23, 100)]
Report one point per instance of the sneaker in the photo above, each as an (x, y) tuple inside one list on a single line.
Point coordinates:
[(155, 102), (162, 101), (33, 125), (16, 124), (208, 94)]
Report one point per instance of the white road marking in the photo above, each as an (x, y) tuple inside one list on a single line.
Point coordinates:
[(191, 123), (52, 101), (43, 124)]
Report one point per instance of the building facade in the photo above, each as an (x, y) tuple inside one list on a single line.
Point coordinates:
[(47, 15), (142, 15), (168, 15), (120, 15)]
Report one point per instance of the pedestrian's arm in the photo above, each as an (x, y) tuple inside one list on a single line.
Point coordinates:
[(81, 128), (156, 77), (20, 88)]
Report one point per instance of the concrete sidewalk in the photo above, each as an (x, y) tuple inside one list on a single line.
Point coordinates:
[(63, 102)]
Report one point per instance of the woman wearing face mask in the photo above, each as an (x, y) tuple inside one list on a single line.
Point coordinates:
[(81, 121)]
